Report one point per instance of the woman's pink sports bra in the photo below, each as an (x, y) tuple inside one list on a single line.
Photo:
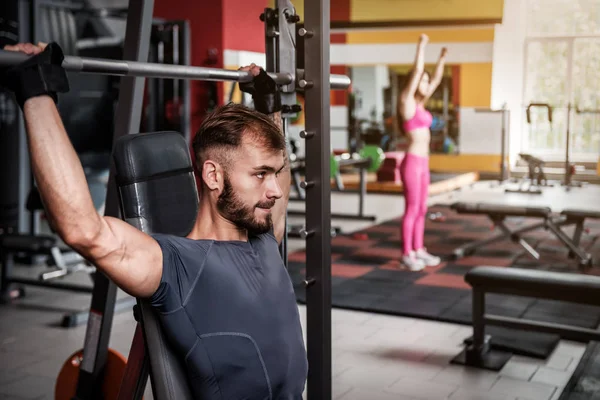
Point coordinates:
[(421, 119)]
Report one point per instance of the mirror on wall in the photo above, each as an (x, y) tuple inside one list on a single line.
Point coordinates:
[(372, 103)]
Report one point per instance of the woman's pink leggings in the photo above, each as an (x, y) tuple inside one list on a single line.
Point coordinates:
[(414, 171)]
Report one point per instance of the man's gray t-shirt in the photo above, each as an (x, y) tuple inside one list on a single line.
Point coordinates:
[(229, 309)]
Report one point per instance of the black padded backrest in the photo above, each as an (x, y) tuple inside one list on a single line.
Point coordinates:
[(156, 182), (158, 194)]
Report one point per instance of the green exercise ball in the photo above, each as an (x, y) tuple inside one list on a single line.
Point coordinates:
[(375, 153)]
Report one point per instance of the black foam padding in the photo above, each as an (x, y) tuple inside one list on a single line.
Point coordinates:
[(581, 213), (27, 243), (143, 156), (501, 209), (156, 182), (572, 287), (158, 194)]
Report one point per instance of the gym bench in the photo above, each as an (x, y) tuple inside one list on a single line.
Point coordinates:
[(567, 287), (66, 263), (549, 221), (12, 244)]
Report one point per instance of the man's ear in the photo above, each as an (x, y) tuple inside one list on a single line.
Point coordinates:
[(212, 175)]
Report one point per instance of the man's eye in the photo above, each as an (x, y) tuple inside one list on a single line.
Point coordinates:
[(260, 175)]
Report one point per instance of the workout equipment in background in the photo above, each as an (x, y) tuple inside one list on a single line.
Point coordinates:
[(87, 111), (37, 249), (281, 66), (371, 153), (168, 100), (154, 70), (369, 158), (535, 179), (569, 169), (447, 298), (337, 163), (366, 132), (557, 286), (66, 382), (498, 213)]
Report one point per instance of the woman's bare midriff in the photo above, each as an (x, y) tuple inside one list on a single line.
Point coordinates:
[(418, 142)]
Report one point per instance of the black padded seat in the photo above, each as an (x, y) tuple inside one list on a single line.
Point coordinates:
[(581, 213), (158, 193), (27, 243), (578, 288), (501, 209)]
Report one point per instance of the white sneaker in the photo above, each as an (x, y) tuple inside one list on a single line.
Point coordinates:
[(428, 259), (412, 262)]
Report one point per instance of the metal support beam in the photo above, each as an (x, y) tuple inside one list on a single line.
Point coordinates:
[(27, 33), (318, 197), (128, 117)]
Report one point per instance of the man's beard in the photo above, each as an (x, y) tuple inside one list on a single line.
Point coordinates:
[(242, 215)]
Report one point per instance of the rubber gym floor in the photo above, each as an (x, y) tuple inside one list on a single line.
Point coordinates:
[(375, 356)]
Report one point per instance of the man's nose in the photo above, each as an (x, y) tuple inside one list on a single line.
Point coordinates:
[(274, 189)]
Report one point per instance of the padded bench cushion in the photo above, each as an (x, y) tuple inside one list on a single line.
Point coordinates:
[(581, 213), (501, 209), (579, 288), (27, 243)]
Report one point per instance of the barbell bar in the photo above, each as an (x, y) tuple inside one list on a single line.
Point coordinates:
[(165, 71)]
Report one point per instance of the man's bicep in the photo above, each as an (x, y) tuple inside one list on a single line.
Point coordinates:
[(132, 259)]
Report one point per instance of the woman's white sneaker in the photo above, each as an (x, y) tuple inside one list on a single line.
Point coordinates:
[(412, 262), (428, 259)]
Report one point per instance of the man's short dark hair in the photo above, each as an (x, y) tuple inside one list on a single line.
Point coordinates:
[(224, 129)]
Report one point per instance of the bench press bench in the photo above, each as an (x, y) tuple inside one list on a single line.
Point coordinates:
[(548, 220), (567, 287), (66, 262)]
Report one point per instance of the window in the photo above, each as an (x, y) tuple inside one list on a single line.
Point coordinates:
[(562, 68)]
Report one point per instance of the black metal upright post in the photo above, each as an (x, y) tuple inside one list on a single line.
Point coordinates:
[(185, 54), (128, 118), (280, 52), (27, 33), (14, 27), (318, 196)]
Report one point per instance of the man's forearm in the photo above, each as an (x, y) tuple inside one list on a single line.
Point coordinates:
[(285, 182), (280, 208), (276, 117), (58, 172)]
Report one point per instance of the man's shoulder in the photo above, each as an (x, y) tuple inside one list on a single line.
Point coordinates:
[(178, 244), (267, 238)]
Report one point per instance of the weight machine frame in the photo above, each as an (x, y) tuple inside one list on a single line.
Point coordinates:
[(568, 175), (316, 81)]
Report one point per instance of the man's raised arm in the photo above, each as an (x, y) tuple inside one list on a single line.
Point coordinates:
[(285, 182), (130, 258), (267, 100)]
